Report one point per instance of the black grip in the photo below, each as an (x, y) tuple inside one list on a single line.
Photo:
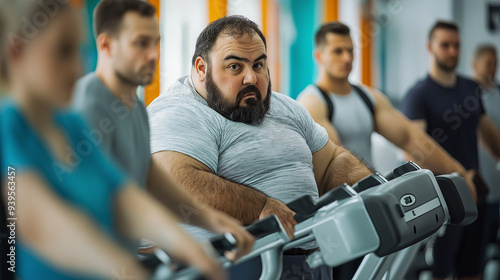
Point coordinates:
[(264, 227), (369, 182), (337, 193), (461, 206), (304, 207), (227, 242), (223, 243), (402, 169)]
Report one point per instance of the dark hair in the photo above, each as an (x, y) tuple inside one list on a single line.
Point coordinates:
[(335, 27), (109, 13), (442, 24), (481, 49), (234, 26)]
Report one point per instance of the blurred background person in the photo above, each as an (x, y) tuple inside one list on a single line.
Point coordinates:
[(128, 37), (448, 107), (485, 64), (351, 113), (73, 201)]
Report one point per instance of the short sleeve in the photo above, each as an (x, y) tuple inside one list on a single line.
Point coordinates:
[(96, 116), (315, 135), (187, 129), (413, 105), (100, 161)]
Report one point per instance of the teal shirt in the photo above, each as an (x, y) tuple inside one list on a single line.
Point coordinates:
[(90, 184)]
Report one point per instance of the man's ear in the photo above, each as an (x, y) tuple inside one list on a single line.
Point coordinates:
[(429, 46), (104, 43), (317, 55), (201, 67)]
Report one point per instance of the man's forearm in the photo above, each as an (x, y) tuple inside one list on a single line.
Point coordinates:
[(344, 168), (242, 202), (177, 199), (428, 154)]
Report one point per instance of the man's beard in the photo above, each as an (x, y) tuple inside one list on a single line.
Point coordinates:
[(254, 111), (445, 67), (137, 79)]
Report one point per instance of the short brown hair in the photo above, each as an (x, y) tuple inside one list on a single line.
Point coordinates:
[(442, 24), (335, 27), (108, 14), (481, 49)]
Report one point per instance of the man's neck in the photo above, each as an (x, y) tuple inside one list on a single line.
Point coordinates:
[(338, 86), (444, 78), (197, 85), (123, 91)]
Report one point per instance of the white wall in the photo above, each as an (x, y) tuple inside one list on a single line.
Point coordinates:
[(349, 14), (472, 19), (181, 23)]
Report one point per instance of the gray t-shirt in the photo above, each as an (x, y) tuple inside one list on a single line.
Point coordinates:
[(352, 119), (274, 157), (487, 164), (122, 132)]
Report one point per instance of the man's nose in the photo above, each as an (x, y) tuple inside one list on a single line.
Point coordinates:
[(250, 77)]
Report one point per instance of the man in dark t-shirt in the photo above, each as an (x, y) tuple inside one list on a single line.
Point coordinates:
[(448, 107)]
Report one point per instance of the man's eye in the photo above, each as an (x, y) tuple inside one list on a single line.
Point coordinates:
[(142, 44), (234, 67), (258, 66)]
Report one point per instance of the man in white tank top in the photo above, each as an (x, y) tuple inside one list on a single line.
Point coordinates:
[(350, 113), (352, 120)]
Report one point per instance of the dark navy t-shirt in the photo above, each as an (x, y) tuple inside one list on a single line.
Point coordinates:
[(452, 115)]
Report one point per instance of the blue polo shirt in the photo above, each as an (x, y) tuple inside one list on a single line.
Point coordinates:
[(452, 115), (90, 183)]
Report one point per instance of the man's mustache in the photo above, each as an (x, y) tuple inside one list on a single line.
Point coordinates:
[(246, 90)]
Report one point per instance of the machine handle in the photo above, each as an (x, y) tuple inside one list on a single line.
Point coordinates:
[(262, 228), (402, 169), (265, 227), (305, 208)]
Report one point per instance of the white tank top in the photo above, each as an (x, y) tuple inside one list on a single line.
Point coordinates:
[(352, 119)]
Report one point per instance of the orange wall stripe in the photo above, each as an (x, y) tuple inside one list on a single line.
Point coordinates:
[(270, 28), (331, 10), (77, 3), (216, 9), (263, 5), (366, 43), (153, 90)]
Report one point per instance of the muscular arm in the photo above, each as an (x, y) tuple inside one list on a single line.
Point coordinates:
[(242, 202), (175, 198), (396, 128), (193, 211), (319, 113), (334, 165), (42, 211), (489, 136)]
